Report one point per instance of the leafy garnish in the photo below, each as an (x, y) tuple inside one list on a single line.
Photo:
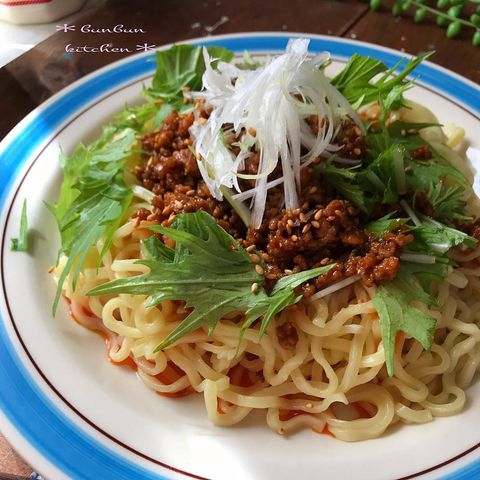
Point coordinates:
[(211, 273), (249, 63), (347, 181), (393, 300), (93, 199), (143, 118), (20, 244), (370, 184), (385, 224), (426, 173), (391, 171), (425, 274), (393, 303), (356, 80), (447, 201), (436, 238), (180, 67)]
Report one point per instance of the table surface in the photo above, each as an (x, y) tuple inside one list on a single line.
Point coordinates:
[(47, 68)]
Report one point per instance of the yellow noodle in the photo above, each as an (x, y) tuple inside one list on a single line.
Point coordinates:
[(338, 360)]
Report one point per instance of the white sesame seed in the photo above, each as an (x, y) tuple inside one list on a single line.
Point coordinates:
[(259, 269)]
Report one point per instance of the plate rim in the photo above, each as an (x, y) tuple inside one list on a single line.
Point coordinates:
[(12, 136)]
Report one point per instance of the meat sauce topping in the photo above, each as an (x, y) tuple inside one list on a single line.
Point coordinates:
[(324, 230)]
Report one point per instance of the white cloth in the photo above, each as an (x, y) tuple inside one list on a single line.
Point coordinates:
[(17, 39)]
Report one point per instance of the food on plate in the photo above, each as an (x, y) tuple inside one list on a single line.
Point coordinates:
[(281, 239)]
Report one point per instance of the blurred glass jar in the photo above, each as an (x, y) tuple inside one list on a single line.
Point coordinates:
[(37, 11)]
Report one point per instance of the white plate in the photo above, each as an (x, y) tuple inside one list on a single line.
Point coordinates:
[(71, 414)]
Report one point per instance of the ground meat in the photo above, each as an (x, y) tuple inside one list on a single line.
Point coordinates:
[(287, 336), (141, 214), (471, 228), (350, 137), (421, 153), (322, 231), (378, 263), (301, 238), (171, 163), (475, 232), (172, 173), (352, 140)]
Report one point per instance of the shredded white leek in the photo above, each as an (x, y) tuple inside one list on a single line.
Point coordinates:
[(267, 108), (335, 287), (418, 258), (375, 179), (399, 168), (143, 193), (409, 211)]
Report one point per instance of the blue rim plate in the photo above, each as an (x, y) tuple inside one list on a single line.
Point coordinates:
[(31, 416)]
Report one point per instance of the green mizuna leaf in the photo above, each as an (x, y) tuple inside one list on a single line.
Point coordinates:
[(447, 201), (358, 84), (154, 249), (396, 314), (354, 80), (348, 182), (179, 67), (414, 283), (93, 198), (368, 184), (434, 238), (388, 223), (211, 273), (20, 244), (143, 118), (424, 174), (425, 274)]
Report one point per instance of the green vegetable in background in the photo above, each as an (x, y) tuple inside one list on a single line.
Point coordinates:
[(451, 18)]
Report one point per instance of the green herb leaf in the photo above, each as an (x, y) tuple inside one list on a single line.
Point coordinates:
[(347, 182), (20, 244), (385, 224), (211, 272), (425, 274), (93, 198), (435, 238), (414, 283), (447, 201), (179, 67), (381, 139), (382, 173), (356, 80), (154, 249), (143, 118), (393, 304)]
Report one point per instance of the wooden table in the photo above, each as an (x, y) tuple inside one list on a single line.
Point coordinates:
[(32, 78)]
